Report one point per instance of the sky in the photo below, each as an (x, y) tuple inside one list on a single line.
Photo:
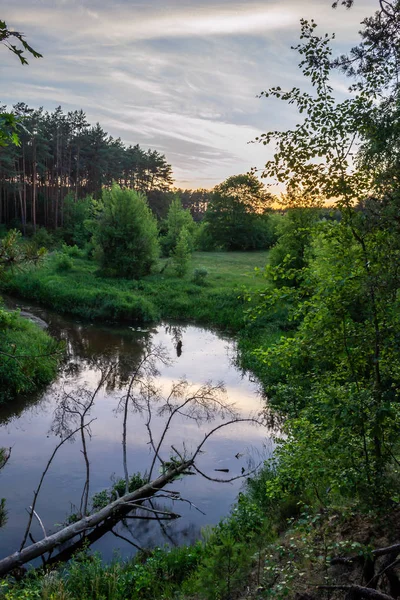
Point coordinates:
[(178, 76)]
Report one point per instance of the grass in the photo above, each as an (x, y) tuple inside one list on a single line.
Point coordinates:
[(80, 290), (21, 343)]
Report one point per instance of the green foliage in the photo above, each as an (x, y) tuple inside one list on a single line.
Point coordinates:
[(63, 262), (7, 36), (176, 220), (182, 253), (73, 251), (77, 216), (8, 129), (200, 276), (28, 356), (315, 160), (294, 232), (126, 233), (86, 576), (82, 291), (42, 238), (15, 254), (204, 238), (236, 215), (103, 498)]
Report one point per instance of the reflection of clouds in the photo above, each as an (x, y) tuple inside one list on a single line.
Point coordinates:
[(117, 60), (205, 355)]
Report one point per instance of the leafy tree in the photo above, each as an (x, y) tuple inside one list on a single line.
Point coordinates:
[(126, 234), (237, 214), (288, 257), (182, 252), (8, 122), (337, 376), (76, 217), (7, 36), (177, 219)]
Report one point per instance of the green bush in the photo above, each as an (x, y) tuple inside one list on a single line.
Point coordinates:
[(199, 276), (63, 262), (43, 238), (73, 251), (126, 234)]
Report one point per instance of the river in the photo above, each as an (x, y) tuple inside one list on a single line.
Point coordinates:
[(195, 353)]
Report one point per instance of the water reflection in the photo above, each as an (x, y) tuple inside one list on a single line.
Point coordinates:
[(32, 426)]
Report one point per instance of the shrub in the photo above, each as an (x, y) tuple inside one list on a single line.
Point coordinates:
[(43, 239), (63, 262), (126, 233), (73, 251), (199, 276)]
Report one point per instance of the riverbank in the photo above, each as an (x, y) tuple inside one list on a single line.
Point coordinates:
[(29, 356), (217, 297)]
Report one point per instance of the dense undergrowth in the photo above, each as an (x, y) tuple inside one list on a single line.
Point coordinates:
[(29, 356)]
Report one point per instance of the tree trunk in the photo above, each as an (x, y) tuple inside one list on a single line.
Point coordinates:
[(48, 543)]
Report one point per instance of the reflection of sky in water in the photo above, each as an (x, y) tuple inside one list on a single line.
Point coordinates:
[(205, 356)]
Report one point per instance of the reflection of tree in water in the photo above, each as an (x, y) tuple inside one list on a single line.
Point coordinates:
[(95, 348), (176, 333), (150, 501), (152, 533)]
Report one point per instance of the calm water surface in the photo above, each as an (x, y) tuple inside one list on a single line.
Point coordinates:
[(197, 354)]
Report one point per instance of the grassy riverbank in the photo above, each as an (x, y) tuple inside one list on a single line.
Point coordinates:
[(29, 356), (217, 298)]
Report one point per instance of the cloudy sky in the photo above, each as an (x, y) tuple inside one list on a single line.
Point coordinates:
[(178, 76)]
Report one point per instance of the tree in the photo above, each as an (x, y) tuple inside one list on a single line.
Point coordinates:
[(177, 219), (126, 233), (337, 375), (60, 154), (182, 252), (237, 214)]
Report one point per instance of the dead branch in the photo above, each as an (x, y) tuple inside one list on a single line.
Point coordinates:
[(201, 405), (388, 567), (395, 548), (40, 521), (179, 499), (358, 591), (5, 457), (243, 475), (36, 493), (343, 560), (122, 537), (67, 533)]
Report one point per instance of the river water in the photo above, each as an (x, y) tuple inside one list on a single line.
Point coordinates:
[(28, 426)]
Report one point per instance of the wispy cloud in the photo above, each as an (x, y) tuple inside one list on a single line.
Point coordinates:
[(181, 77)]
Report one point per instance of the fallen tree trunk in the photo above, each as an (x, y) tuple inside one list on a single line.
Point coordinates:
[(121, 504)]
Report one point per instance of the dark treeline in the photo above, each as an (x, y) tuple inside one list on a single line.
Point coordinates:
[(196, 201), (61, 153)]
